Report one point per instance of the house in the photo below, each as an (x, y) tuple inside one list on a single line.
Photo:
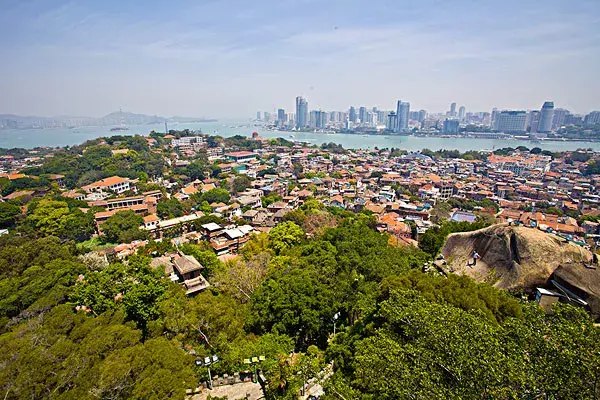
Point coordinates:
[(114, 184), (230, 240), (278, 216), (337, 201), (241, 156), (211, 230), (249, 201), (151, 221), (256, 217), (250, 215), (278, 205), (391, 224), (149, 199), (26, 195), (188, 271), (57, 178), (73, 194)]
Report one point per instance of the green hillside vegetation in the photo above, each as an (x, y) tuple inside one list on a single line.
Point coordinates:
[(73, 328)]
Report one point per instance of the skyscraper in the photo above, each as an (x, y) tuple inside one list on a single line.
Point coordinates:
[(422, 115), (493, 117), (392, 122), (352, 114), (534, 121), (451, 126), (486, 118), (560, 115), (322, 119), (258, 115), (453, 110), (313, 119), (592, 118), (301, 112), (546, 117), (282, 118), (461, 113), (362, 114), (402, 113)]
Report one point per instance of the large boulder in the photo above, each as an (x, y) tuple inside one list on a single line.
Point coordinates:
[(513, 257)]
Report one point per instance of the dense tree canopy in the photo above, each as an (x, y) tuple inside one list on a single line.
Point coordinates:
[(87, 163), (77, 326), (416, 348), (123, 227), (8, 214)]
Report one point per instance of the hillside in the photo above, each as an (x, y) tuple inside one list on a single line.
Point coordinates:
[(516, 257)]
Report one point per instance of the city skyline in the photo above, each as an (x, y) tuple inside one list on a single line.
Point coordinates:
[(544, 121), (354, 112), (227, 60)]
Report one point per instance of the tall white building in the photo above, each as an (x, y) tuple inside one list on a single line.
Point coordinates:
[(546, 117)]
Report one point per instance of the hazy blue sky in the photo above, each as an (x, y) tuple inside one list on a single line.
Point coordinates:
[(230, 58)]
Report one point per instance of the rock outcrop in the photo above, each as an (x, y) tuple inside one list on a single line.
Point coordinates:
[(516, 257)]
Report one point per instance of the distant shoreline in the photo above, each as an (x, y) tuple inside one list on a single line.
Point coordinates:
[(60, 137)]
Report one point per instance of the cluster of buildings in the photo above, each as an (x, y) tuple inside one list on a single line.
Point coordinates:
[(402, 191), (403, 120)]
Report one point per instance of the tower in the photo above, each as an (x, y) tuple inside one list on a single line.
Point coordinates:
[(546, 117), (402, 114), (301, 112), (461, 113)]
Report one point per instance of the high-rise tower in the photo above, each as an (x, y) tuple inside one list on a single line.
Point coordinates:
[(546, 117), (301, 112)]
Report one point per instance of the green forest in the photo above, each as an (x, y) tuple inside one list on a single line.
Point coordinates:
[(76, 327)]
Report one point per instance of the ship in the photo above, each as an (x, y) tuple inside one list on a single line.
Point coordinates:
[(119, 129)]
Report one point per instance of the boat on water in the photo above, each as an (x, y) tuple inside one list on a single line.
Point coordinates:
[(291, 136), (119, 129)]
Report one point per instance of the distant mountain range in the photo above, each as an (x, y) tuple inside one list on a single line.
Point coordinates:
[(118, 118)]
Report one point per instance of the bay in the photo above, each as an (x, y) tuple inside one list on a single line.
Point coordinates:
[(55, 137)]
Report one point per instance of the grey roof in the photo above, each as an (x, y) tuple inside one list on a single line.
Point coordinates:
[(211, 226), (185, 263)]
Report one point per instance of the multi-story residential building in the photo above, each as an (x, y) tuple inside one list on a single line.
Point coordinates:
[(592, 118), (451, 126), (114, 184), (241, 156), (511, 121)]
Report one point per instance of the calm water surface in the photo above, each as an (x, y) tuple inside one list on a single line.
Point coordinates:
[(29, 138)]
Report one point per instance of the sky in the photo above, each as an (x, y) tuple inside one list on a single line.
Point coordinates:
[(231, 58)]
